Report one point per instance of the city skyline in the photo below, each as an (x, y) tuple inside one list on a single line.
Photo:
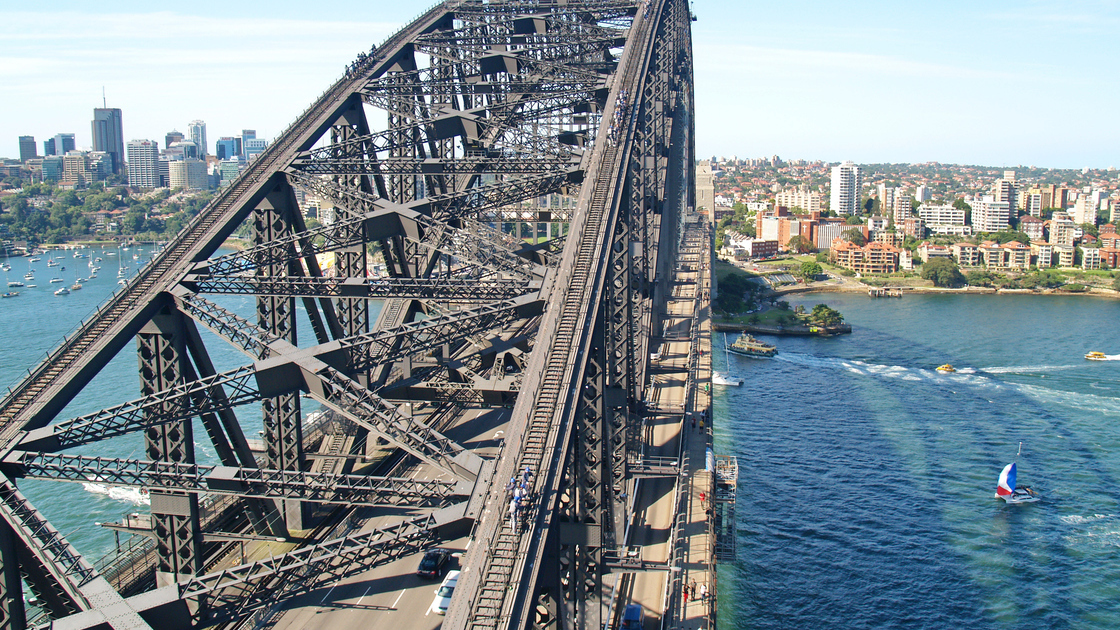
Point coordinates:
[(867, 81)]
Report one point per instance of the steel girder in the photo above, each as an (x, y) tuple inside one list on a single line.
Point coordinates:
[(234, 593), (175, 517), (452, 290), (539, 84), (180, 402), (248, 482)]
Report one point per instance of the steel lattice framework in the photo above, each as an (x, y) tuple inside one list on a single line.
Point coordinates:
[(475, 117)]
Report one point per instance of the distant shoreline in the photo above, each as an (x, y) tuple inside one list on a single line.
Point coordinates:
[(1089, 292)]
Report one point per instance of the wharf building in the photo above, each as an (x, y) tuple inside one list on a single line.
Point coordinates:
[(847, 182)]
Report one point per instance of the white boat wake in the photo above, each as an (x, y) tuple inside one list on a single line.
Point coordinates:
[(976, 377), (135, 496)]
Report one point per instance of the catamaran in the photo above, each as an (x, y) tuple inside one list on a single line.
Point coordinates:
[(720, 379), (1008, 491)]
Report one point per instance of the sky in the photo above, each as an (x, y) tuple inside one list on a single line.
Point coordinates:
[(997, 83)]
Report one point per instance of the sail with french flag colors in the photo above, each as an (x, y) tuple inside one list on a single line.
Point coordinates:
[(1006, 481)]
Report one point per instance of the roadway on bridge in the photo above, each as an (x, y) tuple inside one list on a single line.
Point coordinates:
[(392, 595)]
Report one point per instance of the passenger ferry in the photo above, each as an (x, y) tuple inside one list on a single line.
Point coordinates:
[(946, 369), (747, 345), (1096, 356)]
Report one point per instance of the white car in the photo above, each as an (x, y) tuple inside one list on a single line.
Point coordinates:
[(443, 593)]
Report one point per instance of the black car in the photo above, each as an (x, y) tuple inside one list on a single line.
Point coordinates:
[(434, 563)]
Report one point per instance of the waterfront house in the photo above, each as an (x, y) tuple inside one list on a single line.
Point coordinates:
[(871, 258), (1013, 256), (1042, 254), (928, 251), (967, 254), (1090, 258)]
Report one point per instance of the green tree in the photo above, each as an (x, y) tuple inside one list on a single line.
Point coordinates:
[(825, 316), (1116, 283), (800, 245), (810, 270), (943, 272), (855, 236)]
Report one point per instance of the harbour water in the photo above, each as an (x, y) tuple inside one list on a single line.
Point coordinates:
[(37, 321), (867, 478)]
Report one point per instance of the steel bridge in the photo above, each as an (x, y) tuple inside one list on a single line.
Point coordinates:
[(428, 148)]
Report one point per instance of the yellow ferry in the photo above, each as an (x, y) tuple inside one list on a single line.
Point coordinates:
[(946, 369), (1096, 356)]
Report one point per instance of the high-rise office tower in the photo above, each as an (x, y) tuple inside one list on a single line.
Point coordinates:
[(246, 134), (847, 180), (143, 163), (226, 147), (253, 147), (27, 148), (108, 134), (196, 131), (59, 144), (172, 137)]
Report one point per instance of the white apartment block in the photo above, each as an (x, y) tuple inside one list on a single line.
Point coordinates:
[(875, 224), (143, 164), (944, 219), (1085, 210), (1004, 190), (1043, 254), (1090, 258), (1033, 204), (990, 215), (807, 200), (902, 208), (922, 194), (847, 181), (188, 174), (1063, 231)]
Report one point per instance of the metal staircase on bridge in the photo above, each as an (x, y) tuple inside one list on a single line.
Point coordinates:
[(489, 107)]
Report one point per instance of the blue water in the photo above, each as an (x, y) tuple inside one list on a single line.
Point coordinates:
[(37, 320), (867, 478)]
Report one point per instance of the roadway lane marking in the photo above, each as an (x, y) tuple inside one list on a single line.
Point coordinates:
[(364, 595), (394, 606), (327, 595)]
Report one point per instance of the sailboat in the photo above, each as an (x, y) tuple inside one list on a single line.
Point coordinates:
[(720, 379), (1008, 491)]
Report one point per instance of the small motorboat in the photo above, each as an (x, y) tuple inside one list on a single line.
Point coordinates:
[(56, 280), (62, 291), (946, 369), (15, 283), (1096, 356), (10, 294), (1011, 493)]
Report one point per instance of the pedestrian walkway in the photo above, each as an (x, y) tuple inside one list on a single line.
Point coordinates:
[(698, 569)]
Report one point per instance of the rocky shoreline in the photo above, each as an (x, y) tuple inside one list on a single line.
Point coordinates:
[(837, 288)]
